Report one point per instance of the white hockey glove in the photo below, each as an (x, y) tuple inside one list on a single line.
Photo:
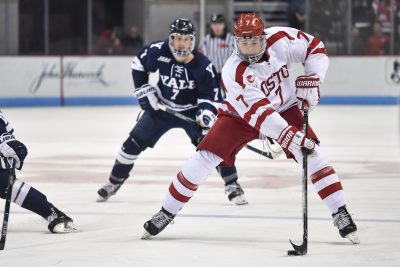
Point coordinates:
[(146, 94), (294, 140), (307, 89), (11, 148), (205, 118)]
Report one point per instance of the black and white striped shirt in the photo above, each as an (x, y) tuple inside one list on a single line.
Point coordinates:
[(218, 49)]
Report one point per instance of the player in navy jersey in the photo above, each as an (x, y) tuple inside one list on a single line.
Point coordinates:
[(188, 84), (23, 194)]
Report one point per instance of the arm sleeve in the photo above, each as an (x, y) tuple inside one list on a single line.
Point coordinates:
[(208, 86), (144, 63), (310, 51), (252, 105)]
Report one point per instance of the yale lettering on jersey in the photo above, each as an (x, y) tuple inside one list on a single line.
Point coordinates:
[(175, 83)]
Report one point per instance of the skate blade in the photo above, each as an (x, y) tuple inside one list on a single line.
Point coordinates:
[(239, 200), (353, 237), (146, 235), (61, 228), (101, 199)]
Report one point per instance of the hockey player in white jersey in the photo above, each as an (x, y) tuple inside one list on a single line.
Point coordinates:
[(23, 194), (263, 98)]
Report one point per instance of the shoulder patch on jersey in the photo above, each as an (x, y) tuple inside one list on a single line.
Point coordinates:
[(164, 59), (250, 78)]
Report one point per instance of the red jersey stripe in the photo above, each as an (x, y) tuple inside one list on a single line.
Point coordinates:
[(320, 51), (240, 71), (261, 118), (277, 36), (312, 46), (254, 107)]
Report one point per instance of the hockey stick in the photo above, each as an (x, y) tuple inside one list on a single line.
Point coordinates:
[(8, 192), (187, 119), (302, 249)]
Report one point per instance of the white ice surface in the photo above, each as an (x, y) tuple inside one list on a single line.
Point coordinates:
[(71, 152)]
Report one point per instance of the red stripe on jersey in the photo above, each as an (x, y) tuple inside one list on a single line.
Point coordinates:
[(261, 118), (254, 107), (329, 190), (186, 183), (312, 46), (277, 36), (240, 71), (178, 196), (320, 51), (302, 34), (322, 174)]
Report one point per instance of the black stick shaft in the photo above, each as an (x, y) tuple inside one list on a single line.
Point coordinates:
[(8, 193), (305, 189)]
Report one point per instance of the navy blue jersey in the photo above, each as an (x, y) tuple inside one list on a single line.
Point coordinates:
[(180, 86), (5, 127)]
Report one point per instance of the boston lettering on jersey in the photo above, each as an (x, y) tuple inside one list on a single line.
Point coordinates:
[(274, 80)]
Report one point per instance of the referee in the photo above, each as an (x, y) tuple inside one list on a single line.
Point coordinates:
[(218, 44)]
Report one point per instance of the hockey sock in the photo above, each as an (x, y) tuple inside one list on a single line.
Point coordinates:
[(195, 171), (324, 178), (31, 199), (329, 188), (228, 174), (128, 153)]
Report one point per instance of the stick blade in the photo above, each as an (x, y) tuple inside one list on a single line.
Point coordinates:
[(298, 250)]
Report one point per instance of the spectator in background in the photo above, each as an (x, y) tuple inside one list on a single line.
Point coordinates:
[(383, 15), (218, 44), (362, 20), (110, 42), (133, 42), (378, 43), (296, 14)]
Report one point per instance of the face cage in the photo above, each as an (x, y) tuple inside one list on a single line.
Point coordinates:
[(251, 58), (181, 53)]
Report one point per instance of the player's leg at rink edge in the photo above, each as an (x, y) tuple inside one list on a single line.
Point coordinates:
[(31, 199), (184, 185), (123, 164), (328, 186)]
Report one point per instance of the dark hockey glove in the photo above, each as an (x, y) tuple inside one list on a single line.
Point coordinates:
[(11, 148), (146, 94)]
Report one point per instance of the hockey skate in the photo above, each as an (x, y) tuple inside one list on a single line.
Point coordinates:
[(107, 191), (59, 223), (157, 223), (235, 193), (347, 228)]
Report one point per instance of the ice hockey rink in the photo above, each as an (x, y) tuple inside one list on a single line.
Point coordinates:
[(71, 152)]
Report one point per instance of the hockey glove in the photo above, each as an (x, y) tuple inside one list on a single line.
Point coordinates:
[(307, 89), (146, 94), (294, 140), (11, 148), (205, 118)]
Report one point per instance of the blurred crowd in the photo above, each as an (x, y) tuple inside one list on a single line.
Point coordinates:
[(373, 22), (117, 42)]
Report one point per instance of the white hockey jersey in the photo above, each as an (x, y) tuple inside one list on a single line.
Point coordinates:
[(258, 92)]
